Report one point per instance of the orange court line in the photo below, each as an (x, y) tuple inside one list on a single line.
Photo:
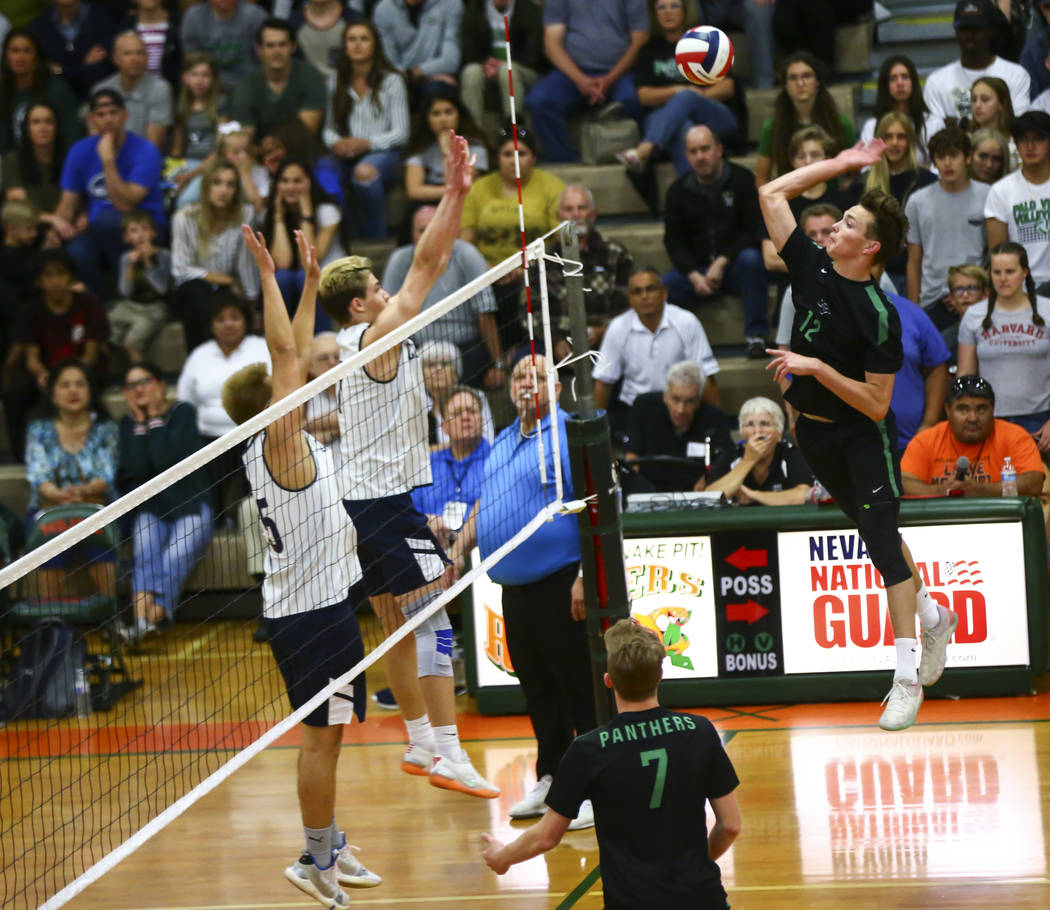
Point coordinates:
[(41, 738)]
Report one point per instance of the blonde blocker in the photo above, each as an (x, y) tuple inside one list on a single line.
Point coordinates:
[(341, 282), (1009, 248), (635, 660)]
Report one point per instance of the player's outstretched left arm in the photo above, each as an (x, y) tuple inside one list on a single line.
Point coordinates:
[(435, 246), (541, 837), (773, 196)]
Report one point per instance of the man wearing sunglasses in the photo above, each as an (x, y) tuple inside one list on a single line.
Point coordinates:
[(963, 455)]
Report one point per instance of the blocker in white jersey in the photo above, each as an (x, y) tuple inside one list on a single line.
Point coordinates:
[(310, 570), (382, 418), (310, 558), (383, 423)]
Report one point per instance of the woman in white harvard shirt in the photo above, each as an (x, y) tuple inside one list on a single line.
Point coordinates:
[(1006, 340)]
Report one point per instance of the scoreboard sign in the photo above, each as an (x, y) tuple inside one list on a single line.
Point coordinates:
[(768, 603), (833, 601)]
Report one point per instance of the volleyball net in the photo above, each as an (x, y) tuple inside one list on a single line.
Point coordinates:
[(174, 715)]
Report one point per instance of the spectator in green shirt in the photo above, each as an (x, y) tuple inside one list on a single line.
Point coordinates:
[(803, 101), (282, 89)]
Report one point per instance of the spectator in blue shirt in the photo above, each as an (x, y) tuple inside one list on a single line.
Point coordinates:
[(593, 47), (113, 172), (545, 636), (921, 386), (450, 502)]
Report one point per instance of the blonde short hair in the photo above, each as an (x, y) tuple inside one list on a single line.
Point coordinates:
[(635, 659), (247, 392), (341, 282)]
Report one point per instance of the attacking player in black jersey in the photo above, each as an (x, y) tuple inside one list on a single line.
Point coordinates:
[(648, 773), (845, 351)]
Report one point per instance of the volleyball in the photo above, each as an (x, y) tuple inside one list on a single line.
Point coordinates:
[(704, 55)]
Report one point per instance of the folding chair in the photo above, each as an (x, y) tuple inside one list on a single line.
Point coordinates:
[(94, 610)]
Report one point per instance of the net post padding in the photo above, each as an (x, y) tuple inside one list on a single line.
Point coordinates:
[(218, 776), (36, 558)]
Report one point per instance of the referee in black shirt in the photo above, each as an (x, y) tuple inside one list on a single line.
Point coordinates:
[(845, 350), (648, 772)]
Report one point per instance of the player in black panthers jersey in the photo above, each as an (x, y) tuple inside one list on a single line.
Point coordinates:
[(845, 351), (648, 773)]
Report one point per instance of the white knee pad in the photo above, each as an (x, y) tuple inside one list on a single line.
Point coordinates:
[(433, 639)]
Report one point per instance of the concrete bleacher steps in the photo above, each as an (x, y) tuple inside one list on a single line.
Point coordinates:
[(922, 29), (852, 49), (740, 379)]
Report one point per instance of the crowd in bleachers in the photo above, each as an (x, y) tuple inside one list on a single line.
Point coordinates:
[(138, 135)]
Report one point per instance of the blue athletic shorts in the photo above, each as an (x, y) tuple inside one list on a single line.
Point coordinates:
[(312, 649), (397, 550)]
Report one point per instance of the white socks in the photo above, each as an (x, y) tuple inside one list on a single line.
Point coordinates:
[(906, 668), (420, 733), (925, 606), (446, 742)]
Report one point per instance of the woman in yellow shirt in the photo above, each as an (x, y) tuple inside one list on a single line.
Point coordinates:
[(490, 221)]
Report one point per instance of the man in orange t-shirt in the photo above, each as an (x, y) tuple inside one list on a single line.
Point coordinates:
[(931, 461)]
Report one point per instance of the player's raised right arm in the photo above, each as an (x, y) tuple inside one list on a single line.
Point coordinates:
[(435, 246), (773, 196)]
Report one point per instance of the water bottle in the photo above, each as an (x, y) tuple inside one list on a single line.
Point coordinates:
[(817, 493), (1009, 477), (83, 693)]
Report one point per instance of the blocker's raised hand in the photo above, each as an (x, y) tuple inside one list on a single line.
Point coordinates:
[(459, 165), (256, 244)]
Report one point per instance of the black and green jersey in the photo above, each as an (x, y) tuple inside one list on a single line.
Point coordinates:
[(850, 325), (649, 775)]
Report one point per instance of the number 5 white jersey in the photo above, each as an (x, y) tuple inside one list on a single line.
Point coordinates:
[(383, 424), (310, 558)]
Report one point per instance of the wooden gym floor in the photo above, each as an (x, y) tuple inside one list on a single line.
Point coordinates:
[(953, 813)]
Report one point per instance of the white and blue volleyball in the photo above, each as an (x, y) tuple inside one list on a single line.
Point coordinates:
[(704, 55)]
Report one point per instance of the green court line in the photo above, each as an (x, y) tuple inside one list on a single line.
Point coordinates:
[(581, 889)]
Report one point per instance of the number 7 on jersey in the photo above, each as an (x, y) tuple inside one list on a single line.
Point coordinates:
[(660, 757)]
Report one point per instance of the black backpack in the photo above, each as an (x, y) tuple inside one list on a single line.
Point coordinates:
[(43, 680)]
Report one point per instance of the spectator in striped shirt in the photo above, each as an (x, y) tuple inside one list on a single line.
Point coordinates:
[(367, 124), (159, 29), (208, 255)]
